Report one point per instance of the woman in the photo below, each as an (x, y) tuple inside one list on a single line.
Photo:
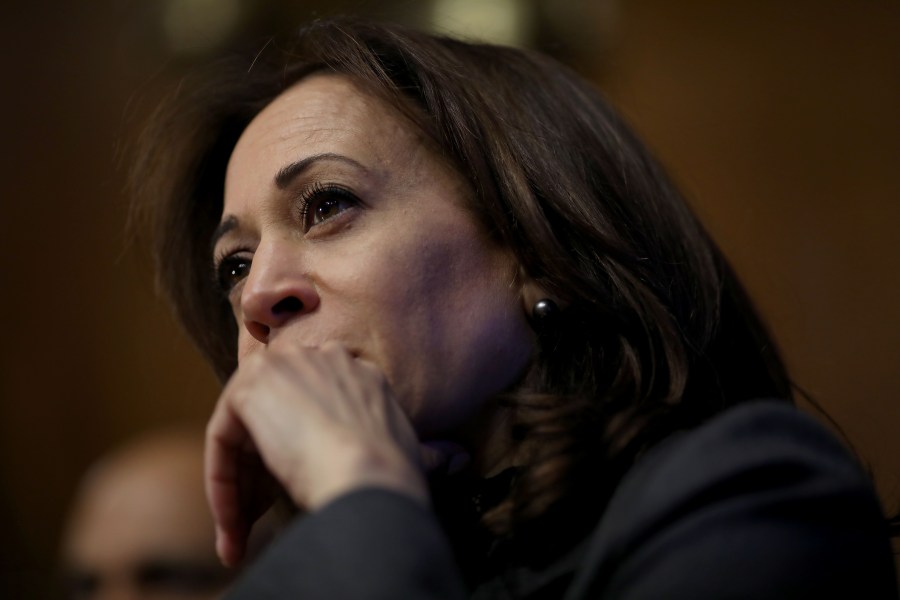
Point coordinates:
[(482, 342)]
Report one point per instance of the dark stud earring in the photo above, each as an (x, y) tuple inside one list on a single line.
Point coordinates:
[(545, 310)]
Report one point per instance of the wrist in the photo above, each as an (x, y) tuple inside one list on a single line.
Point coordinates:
[(359, 468)]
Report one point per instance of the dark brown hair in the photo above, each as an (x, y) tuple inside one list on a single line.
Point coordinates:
[(657, 333)]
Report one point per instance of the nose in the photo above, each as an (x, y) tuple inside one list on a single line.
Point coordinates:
[(276, 291)]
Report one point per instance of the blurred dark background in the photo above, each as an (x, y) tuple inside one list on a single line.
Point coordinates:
[(778, 119)]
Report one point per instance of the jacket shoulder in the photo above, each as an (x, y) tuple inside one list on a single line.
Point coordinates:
[(760, 501)]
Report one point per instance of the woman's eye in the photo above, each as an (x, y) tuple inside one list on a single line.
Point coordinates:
[(231, 270), (326, 203)]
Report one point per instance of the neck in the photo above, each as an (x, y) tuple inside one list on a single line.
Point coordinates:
[(489, 440)]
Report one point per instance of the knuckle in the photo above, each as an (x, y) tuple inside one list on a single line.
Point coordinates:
[(211, 432)]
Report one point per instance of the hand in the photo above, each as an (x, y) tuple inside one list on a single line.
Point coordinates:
[(318, 423)]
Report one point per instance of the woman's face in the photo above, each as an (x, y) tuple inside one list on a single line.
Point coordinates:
[(341, 224)]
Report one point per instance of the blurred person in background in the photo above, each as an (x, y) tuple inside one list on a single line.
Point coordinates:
[(140, 527)]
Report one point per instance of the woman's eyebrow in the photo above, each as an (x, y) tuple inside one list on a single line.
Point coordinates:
[(283, 179), (230, 223), (290, 172)]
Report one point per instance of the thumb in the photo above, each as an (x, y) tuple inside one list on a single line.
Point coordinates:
[(442, 456)]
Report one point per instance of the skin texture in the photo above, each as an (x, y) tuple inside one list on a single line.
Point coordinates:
[(376, 318), (139, 509)]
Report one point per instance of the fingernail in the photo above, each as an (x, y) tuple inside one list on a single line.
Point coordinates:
[(220, 552)]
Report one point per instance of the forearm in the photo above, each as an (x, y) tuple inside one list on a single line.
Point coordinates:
[(370, 544)]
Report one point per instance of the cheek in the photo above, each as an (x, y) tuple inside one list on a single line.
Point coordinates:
[(246, 343), (464, 336)]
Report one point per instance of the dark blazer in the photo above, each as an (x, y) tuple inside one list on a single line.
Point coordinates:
[(760, 502)]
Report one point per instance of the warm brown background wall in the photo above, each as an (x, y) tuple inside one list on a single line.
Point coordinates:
[(780, 120)]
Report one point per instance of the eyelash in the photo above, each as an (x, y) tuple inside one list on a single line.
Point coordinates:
[(310, 199), (224, 268)]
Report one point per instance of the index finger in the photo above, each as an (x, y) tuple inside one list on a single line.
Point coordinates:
[(226, 440)]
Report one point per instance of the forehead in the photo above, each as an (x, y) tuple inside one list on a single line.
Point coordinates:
[(323, 113)]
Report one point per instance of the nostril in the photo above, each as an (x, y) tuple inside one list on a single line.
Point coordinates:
[(291, 304), (259, 331)]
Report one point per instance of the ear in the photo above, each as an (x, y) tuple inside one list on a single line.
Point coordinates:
[(531, 292)]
